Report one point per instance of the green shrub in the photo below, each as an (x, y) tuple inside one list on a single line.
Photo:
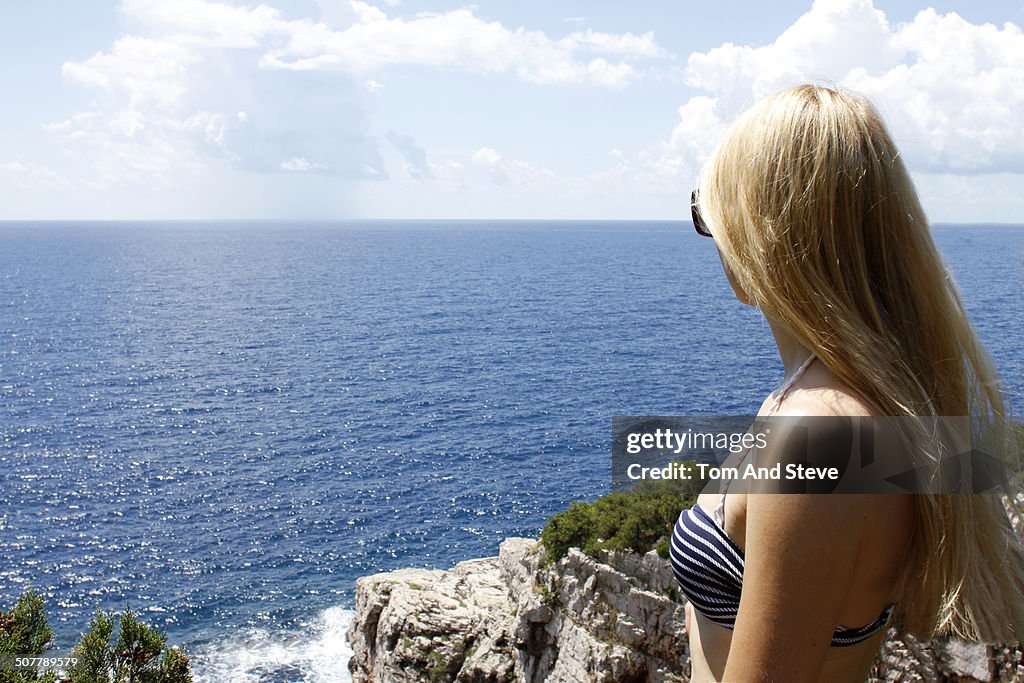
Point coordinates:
[(139, 655), (550, 595), (636, 520), (24, 632), (135, 656)]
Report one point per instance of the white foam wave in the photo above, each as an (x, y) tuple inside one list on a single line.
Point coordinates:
[(316, 652)]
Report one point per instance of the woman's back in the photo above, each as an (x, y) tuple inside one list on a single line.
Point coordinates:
[(879, 525)]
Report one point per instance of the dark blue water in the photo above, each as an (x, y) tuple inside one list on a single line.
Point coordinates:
[(224, 424)]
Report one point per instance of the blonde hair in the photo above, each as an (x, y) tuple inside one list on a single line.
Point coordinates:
[(817, 219)]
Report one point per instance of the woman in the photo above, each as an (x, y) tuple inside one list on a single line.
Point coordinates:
[(818, 224)]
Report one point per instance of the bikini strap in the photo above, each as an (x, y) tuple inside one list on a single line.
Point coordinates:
[(779, 394)]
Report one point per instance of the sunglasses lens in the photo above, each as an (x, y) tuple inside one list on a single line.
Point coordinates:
[(698, 220)]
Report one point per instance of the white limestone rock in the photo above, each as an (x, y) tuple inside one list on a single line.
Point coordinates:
[(616, 618)]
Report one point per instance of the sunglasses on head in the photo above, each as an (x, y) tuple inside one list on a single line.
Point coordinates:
[(698, 221)]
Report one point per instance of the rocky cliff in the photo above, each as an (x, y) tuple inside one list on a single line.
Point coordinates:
[(617, 619)]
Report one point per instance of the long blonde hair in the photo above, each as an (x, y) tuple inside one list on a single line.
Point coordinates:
[(818, 220)]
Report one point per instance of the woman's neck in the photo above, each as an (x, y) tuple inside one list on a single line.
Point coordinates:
[(792, 352)]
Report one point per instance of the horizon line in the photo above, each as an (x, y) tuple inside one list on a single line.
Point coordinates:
[(7, 221)]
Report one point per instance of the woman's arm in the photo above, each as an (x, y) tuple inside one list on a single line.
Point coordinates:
[(800, 554)]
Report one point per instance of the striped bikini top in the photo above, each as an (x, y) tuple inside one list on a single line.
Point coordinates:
[(709, 565)]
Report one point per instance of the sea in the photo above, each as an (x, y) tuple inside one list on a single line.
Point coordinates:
[(221, 425)]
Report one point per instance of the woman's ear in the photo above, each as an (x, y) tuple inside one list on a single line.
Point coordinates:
[(740, 293)]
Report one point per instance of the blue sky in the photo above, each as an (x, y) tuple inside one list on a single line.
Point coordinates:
[(168, 109)]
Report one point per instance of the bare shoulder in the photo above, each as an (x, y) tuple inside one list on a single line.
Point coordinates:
[(833, 400), (826, 425)]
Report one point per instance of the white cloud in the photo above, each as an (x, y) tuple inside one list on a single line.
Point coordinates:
[(205, 23), (34, 175), (826, 42), (189, 93), (959, 99), (138, 70), (416, 165), (699, 127), (200, 81), (459, 39), (630, 44), (952, 91), (371, 40), (514, 172), (300, 165), (486, 156)]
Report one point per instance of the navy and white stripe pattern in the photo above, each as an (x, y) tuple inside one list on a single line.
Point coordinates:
[(709, 568)]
